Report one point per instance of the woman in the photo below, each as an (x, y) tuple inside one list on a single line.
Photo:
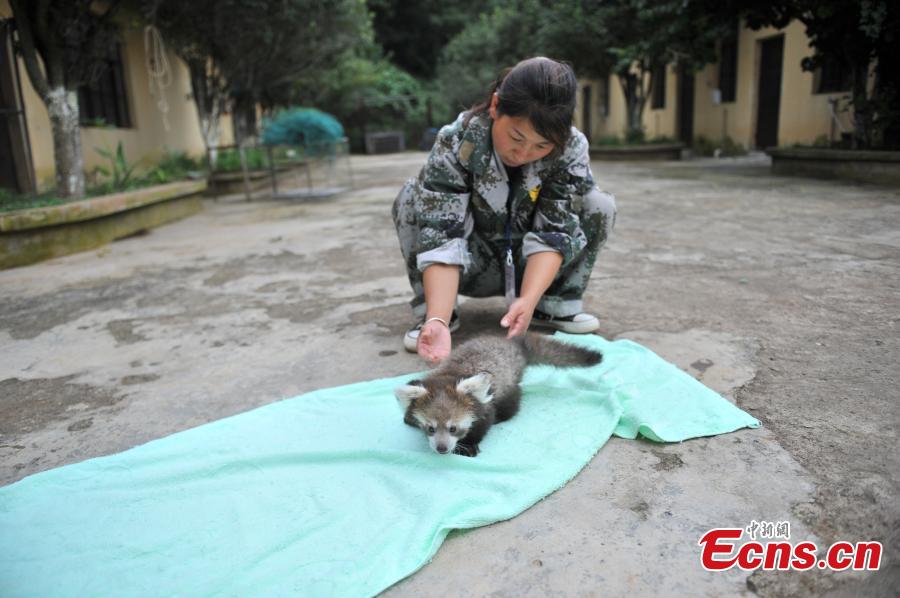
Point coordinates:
[(505, 205)]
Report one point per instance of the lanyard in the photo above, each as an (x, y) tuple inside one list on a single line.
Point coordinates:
[(510, 269)]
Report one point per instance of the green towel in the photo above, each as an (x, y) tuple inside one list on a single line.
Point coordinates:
[(329, 493)]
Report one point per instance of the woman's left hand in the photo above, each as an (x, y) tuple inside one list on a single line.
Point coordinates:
[(518, 317)]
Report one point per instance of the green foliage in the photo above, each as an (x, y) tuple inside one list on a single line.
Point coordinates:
[(121, 175), (413, 33), (119, 172), (10, 200), (230, 160), (609, 140), (731, 148), (368, 94), (473, 59), (635, 139), (625, 37), (630, 37), (635, 136), (703, 146), (822, 141), (174, 166), (725, 148), (259, 49)]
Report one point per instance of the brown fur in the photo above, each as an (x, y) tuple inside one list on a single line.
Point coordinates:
[(478, 386)]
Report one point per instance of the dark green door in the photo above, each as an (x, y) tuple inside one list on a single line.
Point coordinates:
[(771, 55)]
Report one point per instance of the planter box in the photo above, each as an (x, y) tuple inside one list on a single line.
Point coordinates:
[(29, 236), (231, 183), (642, 152), (858, 165)]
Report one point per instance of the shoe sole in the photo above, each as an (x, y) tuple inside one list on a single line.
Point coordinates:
[(569, 327)]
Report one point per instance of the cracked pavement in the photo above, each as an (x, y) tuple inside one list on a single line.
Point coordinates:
[(780, 293)]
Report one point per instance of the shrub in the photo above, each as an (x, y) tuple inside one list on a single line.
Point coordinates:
[(230, 160), (608, 140), (730, 148), (119, 172), (635, 136), (174, 166), (726, 148)]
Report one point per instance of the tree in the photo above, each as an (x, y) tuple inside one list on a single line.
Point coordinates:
[(209, 87), (64, 44), (631, 37), (414, 33), (474, 58), (366, 92), (256, 49), (860, 35)]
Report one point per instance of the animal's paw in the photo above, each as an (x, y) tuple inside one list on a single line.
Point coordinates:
[(466, 450)]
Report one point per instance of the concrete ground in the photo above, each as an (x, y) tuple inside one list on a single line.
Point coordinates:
[(780, 293)]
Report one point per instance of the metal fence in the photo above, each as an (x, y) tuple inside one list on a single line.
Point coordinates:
[(313, 171)]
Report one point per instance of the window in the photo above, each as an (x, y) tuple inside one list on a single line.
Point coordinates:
[(104, 99), (659, 87), (833, 76), (728, 69)]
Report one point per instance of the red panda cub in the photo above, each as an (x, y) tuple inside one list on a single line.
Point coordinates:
[(478, 385)]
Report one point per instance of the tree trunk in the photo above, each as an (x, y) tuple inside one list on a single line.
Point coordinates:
[(634, 102), (62, 103), (862, 106), (244, 115), (209, 103), (62, 106)]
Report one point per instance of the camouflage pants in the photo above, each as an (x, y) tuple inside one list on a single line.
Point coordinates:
[(485, 275)]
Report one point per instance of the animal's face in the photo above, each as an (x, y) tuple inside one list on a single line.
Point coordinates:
[(444, 412)]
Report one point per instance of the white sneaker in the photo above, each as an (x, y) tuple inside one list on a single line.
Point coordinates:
[(578, 324), (411, 338)]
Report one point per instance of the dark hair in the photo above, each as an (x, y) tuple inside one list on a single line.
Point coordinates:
[(540, 89)]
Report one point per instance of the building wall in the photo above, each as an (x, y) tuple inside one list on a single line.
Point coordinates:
[(147, 139), (661, 122), (803, 116), (657, 123)]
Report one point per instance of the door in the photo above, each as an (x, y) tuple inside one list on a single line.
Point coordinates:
[(586, 111), (771, 55), (686, 106), (15, 166)]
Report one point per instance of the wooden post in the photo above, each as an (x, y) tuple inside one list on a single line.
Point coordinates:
[(244, 169), (272, 173)]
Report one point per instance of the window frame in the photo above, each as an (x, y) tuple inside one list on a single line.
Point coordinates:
[(106, 99), (832, 76)]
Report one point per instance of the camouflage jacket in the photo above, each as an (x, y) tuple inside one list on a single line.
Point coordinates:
[(464, 186)]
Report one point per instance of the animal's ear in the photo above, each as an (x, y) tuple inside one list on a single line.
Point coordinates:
[(407, 393), (478, 386)]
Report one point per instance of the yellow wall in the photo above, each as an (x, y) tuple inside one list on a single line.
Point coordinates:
[(803, 115), (147, 139), (596, 116), (661, 122), (657, 123), (602, 125)]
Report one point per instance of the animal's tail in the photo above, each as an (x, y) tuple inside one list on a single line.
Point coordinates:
[(545, 350)]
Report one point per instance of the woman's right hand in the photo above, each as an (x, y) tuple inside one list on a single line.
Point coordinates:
[(434, 342)]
